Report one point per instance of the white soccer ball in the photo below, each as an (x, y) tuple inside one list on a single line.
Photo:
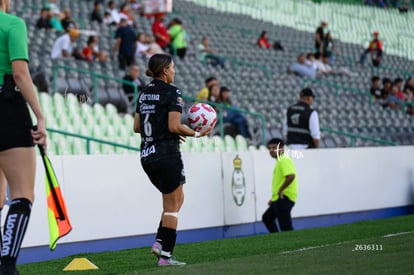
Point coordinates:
[(201, 116)]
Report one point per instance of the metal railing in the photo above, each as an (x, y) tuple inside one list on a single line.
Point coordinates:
[(222, 107), (354, 137), (94, 76), (91, 139)]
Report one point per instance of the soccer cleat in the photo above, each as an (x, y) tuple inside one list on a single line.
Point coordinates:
[(156, 249), (169, 262)]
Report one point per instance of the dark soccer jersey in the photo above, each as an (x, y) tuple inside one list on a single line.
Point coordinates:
[(155, 101)]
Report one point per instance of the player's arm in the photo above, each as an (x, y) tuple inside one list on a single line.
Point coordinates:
[(175, 126), (288, 180), (116, 46), (21, 76), (314, 129), (137, 123)]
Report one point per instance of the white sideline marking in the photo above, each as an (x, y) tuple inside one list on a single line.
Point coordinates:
[(397, 234), (303, 249), (313, 247), (320, 246)]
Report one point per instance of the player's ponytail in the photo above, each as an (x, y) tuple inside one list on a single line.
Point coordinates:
[(157, 63), (148, 72)]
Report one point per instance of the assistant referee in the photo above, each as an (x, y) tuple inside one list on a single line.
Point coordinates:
[(17, 139)]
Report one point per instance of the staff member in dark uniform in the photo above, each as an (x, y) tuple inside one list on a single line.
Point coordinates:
[(158, 120), (302, 123), (17, 139)]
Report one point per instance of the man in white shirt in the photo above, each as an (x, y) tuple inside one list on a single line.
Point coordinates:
[(301, 124), (64, 45)]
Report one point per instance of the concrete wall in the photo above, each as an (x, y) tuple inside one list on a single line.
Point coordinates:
[(110, 196)]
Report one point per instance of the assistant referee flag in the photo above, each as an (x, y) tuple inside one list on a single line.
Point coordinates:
[(59, 224)]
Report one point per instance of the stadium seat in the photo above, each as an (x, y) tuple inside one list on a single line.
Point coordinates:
[(233, 35), (230, 144), (241, 143)]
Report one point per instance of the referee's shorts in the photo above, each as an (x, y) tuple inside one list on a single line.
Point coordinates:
[(166, 174), (15, 123)]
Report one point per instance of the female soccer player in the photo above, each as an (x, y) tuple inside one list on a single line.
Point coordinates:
[(17, 139), (158, 120)]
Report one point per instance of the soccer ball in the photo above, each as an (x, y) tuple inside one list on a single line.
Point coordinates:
[(201, 116)]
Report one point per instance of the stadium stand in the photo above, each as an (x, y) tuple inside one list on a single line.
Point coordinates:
[(87, 99)]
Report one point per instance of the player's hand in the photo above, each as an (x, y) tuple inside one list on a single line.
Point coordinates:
[(280, 194), (182, 139), (205, 132)]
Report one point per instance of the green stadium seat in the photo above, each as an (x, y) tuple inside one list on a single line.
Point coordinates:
[(230, 144), (79, 146), (241, 143), (218, 143)]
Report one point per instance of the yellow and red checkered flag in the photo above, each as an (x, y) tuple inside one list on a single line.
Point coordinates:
[(59, 224)]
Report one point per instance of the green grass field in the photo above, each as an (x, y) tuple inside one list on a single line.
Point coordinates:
[(329, 250)]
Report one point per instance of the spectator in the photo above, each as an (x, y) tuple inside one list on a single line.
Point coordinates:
[(56, 15), (319, 37), (409, 100), (133, 77), (54, 9), (263, 42), (135, 6), (124, 44), (206, 54), (44, 20), (311, 61), (232, 116), (142, 48), (178, 36), (399, 83), (409, 82), (67, 21), (375, 89), (213, 93), (160, 32), (324, 68), (125, 12), (386, 88), (91, 52), (203, 94), (300, 68), (329, 47), (65, 45), (115, 18), (301, 124), (154, 47), (375, 49), (107, 19), (96, 13), (393, 101), (56, 23)]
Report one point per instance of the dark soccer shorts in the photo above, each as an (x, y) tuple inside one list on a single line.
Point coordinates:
[(15, 124), (166, 174)]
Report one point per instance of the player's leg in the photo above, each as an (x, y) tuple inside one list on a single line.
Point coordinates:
[(157, 247), (269, 218), (172, 203), (19, 167), (3, 185), (285, 219)]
